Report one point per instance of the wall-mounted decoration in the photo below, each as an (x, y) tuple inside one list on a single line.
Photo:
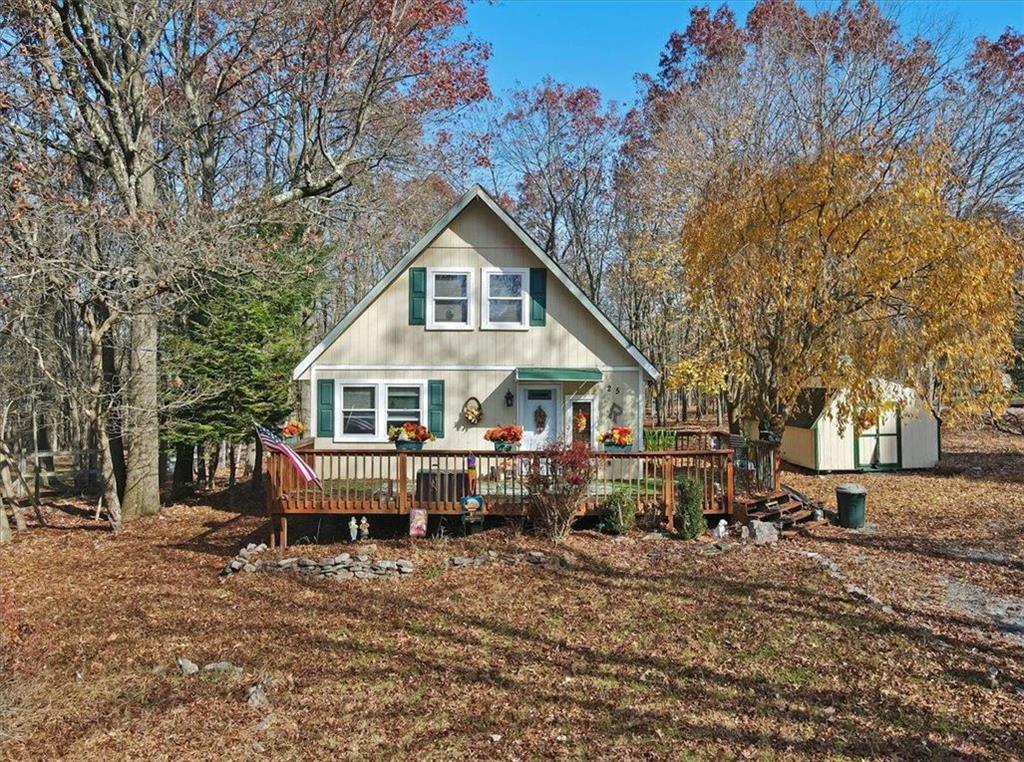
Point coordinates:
[(540, 419), (510, 398), (472, 410), (615, 412)]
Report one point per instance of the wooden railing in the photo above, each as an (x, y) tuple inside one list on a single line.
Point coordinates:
[(391, 482), (757, 466), (662, 439)]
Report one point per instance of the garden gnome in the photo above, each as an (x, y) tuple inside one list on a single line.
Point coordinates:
[(364, 529), (353, 529)]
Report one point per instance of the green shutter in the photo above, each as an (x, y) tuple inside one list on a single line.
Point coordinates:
[(325, 407), (417, 296), (538, 295), (435, 407)]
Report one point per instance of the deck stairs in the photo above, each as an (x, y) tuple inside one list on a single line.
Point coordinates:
[(789, 510)]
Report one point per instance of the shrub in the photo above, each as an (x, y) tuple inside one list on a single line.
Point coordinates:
[(619, 512), (558, 482), (689, 517)]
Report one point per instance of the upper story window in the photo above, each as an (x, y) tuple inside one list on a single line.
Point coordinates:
[(505, 297), (449, 305)]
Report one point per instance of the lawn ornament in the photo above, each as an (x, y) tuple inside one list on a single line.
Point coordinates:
[(721, 530), (364, 529), (353, 529)]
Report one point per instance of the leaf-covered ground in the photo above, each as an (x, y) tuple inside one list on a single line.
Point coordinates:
[(639, 649)]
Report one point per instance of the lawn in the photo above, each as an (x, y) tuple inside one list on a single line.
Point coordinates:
[(630, 649)]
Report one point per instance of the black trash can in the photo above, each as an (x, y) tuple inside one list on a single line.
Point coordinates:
[(851, 499)]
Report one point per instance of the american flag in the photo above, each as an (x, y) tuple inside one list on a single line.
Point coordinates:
[(273, 443)]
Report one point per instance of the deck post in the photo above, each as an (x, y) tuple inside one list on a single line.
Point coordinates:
[(284, 532), (403, 483), (730, 489), (668, 492)]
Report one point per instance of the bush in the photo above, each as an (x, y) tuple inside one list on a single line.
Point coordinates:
[(690, 521), (619, 512), (558, 482)]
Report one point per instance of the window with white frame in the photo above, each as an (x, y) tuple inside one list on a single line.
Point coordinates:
[(449, 304), (505, 297), (358, 410), (403, 405), (367, 408)]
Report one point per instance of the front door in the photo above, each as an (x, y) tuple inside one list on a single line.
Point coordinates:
[(538, 415)]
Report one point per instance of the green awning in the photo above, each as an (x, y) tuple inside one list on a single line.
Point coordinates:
[(558, 374)]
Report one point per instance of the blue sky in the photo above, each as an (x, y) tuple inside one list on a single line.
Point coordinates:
[(604, 43)]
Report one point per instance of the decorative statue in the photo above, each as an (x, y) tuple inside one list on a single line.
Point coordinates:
[(353, 529), (364, 529)]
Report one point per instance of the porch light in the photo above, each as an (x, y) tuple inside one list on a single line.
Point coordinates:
[(510, 398)]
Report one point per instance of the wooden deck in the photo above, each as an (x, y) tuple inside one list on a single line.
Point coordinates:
[(388, 482)]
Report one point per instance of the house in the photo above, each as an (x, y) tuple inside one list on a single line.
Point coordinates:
[(474, 313), (902, 434)]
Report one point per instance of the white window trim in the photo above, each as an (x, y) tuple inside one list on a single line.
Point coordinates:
[(485, 298), (470, 323), (380, 433)]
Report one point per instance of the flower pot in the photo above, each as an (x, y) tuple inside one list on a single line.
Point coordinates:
[(506, 447), (408, 445), (609, 447), (293, 440)]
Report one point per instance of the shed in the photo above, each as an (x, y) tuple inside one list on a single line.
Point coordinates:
[(906, 436)]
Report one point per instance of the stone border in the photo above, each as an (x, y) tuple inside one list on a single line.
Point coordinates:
[(342, 566), (535, 557)]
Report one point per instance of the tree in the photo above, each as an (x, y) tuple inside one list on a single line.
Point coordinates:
[(182, 114), (847, 267), (556, 146)]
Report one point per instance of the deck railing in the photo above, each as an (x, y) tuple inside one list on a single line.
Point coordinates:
[(391, 482)]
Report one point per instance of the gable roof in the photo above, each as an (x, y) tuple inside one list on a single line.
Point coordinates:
[(476, 192)]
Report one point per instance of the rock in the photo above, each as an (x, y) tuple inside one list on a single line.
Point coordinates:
[(257, 696), (323, 563), (386, 564), (243, 553), (460, 561), (362, 575), (249, 568), (187, 667), (237, 564), (655, 536), (362, 558), (762, 533), (744, 533), (224, 667), (567, 559), (342, 558), (344, 575), (307, 562), (535, 557), (369, 549), (284, 563)]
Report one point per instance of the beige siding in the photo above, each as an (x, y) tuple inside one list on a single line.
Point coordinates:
[(798, 446), (618, 387), (382, 336), (919, 435), (835, 441)]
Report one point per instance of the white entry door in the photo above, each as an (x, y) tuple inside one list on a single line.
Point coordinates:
[(538, 415)]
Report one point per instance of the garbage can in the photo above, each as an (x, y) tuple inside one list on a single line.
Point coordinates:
[(851, 498)]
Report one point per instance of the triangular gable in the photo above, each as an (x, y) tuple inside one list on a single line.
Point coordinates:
[(476, 192)]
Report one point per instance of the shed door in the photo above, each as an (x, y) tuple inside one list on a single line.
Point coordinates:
[(877, 446)]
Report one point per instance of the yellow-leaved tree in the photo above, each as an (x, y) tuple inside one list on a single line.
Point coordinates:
[(847, 267)]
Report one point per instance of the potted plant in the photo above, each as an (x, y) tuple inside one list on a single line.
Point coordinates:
[(292, 429), (505, 438), (618, 439), (410, 436)]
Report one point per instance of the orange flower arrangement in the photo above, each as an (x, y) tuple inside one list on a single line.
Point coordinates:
[(620, 436), (293, 427), (510, 434), (410, 432)]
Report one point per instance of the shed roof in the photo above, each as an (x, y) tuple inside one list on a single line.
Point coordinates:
[(809, 406)]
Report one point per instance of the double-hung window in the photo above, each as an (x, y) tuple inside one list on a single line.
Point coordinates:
[(505, 297), (449, 302), (368, 408)]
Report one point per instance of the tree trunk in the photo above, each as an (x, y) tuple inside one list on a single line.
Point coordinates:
[(5, 527), (257, 469), (211, 468), (142, 489), (201, 463), (184, 462), (114, 418), (107, 476)]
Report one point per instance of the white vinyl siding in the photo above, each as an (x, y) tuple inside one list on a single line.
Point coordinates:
[(505, 298)]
